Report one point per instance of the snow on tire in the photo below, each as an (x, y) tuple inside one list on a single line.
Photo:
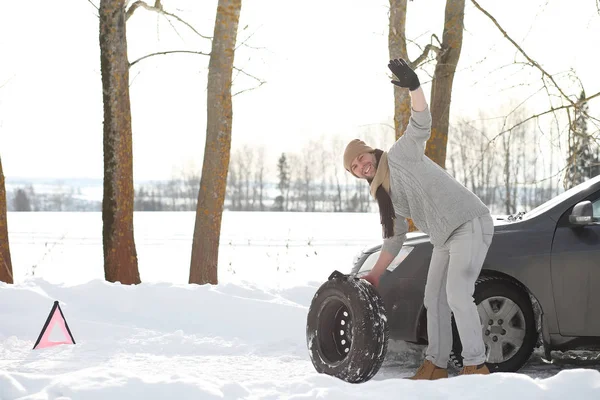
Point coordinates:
[(347, 330)]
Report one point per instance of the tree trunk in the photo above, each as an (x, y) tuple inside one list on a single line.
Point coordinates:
[(5, 263), (441, 89), (207, 229), (120, 257), (397, 49)]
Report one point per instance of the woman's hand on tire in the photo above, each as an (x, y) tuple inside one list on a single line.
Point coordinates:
[(372, 278)]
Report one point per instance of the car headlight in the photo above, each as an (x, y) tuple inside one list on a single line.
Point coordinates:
[(372, 259)]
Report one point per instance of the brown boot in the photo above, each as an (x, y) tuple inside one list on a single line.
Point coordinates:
[(430, 371), (481, 369)]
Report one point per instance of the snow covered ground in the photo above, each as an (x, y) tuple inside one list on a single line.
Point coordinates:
[(241, 339)]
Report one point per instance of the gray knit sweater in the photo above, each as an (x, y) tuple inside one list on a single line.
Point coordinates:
[(423, 191)]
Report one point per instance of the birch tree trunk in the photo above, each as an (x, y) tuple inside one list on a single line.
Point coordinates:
[(207, 229), (6, 274), (120, 256), (441, 89)]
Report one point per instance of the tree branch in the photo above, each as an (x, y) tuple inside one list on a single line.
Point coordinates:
[(95, 6), (247, 90), (166, 52), (249, 75), (241, 71), (551, 110), (159, 9), (134, 7), (243, 43), (6, 83), (424, 55), (531, 61), (554, 112), (520, 104)]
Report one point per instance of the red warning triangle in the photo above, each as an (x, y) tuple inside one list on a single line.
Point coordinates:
[(54, 319)]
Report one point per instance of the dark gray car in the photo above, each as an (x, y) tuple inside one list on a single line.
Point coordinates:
[(539, 286)]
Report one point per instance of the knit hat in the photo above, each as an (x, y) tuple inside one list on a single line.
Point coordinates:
[(353, 149)]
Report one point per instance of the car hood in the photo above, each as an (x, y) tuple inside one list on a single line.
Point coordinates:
[(417, 237)]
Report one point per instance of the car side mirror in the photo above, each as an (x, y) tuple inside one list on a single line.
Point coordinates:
[(582, 214)]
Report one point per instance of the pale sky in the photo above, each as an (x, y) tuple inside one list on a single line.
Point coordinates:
[(325, 63)]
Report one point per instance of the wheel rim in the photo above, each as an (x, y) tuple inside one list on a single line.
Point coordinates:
[(335, 331), (504, 328)]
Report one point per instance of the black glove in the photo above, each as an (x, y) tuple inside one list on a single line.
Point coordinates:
[(407, 78)]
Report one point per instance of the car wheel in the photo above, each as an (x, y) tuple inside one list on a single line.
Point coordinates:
[(347, 330), (507, 322)]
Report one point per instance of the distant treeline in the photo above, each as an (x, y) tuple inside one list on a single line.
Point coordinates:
[(514, 172)]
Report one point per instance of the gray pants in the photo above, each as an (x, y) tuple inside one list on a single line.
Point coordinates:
[(453, 270)]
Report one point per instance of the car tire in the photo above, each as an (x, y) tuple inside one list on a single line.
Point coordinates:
[(504, 353), (347, 330)]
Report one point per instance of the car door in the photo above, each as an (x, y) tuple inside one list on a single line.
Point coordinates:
[(576, 275)]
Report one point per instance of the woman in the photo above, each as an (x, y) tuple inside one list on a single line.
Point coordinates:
[(407, 184)]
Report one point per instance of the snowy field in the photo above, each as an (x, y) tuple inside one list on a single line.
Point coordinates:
[(241, 339)]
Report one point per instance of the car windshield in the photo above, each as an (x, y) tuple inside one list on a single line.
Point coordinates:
[(560, 198)]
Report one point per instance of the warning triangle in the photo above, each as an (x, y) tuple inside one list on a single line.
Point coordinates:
[(55, 321), (55, 334)]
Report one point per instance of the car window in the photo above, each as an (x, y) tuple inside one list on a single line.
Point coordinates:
[(596, 205)]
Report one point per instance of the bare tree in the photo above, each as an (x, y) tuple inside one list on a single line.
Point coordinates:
[(246, 172), (296, 186), (441, 89), (120, 256), (284, 183), (362, 197), (349, 204), (211, 196), (6, 274), (234, 181), (488, 165), (21, 201), (191, 185), (568, 105), (582, 152), (514, 162), (309, 166), (173, 192), (322, 164), (337, 147), (260, 178)]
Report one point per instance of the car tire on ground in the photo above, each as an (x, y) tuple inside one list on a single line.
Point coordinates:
[(509, 341), (347, 330)]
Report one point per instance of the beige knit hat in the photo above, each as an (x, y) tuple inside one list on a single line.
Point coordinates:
[(353, 149)]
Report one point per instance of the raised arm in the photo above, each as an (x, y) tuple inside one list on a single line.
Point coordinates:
[(418, 130), (417, 99)]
